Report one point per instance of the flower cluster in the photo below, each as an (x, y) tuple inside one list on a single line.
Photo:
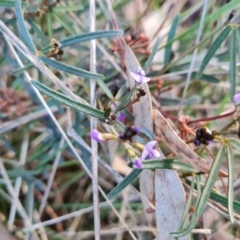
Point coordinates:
[(148, 151)]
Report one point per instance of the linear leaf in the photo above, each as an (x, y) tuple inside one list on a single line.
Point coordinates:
[(21, 70), (189, 202), (125, 101), (37, 31), (68, 101), (126, 181), (194, 220), (214, 47), (235, 143), (11, 3), (203, 77), (210, 181), (62, 20), (121, 91), (232, 63), (188, 229), (67, 8), (128, 115), (105, 88), (23, 28), (174, 101), (220, 199), (150, 58), (71, 69), (87, 37), (49, 24), (172, 32), (167, 164), (230, 182), (148, 133)]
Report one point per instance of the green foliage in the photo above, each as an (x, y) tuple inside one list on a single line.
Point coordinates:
[(35, 140), (68, 101)]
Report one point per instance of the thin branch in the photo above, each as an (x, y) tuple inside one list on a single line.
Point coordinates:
[(51, 178), (18, 182), (193, 56), (94, 144)]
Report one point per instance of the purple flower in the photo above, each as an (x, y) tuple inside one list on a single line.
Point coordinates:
[(137, 163), (197, 142), (140, 76), (96, 135), (148, 152), (236, 98), (136, 130), (120, 116)]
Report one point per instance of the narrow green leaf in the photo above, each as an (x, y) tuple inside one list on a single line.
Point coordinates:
[(199, 189), (175, 101), (62, 20), (148, 133), (126, 181), (11, 3), (22, 173), (221, 199), (87, 37), (232, 63), (38, 31), (235, 143), (238, 42), (23, 28), (125, 101), (187, 208), (128, 115), (230, 182), (214, 47), (203, 77), (171, 35), (167, 164), (150, 58), (49, 24), (21, 70), (105, 88), (67, 8), (188, 229), (71, 70), (121, 91), (68, 101), (194, 219), (210, 181)]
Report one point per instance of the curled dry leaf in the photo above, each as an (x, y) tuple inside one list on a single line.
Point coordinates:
[(178, 146)]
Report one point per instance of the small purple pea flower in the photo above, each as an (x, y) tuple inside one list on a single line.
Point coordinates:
[(96, 135), (140, 76), (236, 98), (120, 116), (137, 163), (148, 152)]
